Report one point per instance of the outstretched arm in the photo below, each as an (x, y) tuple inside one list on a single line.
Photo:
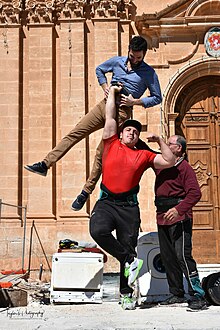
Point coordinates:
[(110, 127)]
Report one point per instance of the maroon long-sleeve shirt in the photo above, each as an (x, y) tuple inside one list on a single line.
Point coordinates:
[(178, 181)]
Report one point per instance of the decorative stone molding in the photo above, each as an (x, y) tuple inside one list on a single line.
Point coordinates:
[(47, 11), (39, 11), (189, 72), (111, 8), (66, 9), (9, 11), (183, 14), (123, 8)]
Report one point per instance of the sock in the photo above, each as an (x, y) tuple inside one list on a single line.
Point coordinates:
[(84, 193)]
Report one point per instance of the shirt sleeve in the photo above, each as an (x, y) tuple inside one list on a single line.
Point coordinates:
[(104, 68), (153, 155), (192, 191), (150, 155), (108, 142), (155, 96)]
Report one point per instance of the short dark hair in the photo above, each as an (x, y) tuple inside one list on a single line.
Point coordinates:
[(182, 141), (138, 43), (133, 123)]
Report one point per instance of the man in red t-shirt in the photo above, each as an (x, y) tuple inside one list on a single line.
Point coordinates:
[(117, 208)]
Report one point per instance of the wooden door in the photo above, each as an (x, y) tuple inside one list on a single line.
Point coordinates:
[(199, 122)]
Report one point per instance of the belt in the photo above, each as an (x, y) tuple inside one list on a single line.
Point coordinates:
[(163, 204), (123, 199)]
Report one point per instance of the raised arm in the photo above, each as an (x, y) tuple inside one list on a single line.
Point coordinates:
[(110, 127), (166, 159)]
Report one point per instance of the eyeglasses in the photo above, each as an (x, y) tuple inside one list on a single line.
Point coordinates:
[(175, 144)]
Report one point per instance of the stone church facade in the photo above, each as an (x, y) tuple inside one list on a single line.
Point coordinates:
[(49, 52)]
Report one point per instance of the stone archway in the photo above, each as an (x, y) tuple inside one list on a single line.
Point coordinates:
[(193, 70), (194, 112)]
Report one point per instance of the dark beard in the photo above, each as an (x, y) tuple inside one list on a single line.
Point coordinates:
[(134, 66)]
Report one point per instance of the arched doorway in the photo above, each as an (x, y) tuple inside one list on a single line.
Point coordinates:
[(193, 102), (198, 107)]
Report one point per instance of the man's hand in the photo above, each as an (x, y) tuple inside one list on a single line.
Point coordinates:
[(116, 87), (127, 101), (151, 137), (105, 88), (166, 159), (171, 214), (106, 93)]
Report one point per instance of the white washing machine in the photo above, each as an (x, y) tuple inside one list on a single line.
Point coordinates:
[(152, 284)]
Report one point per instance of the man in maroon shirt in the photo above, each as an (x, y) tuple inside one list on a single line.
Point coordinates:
[(117, 208), (177, 191)]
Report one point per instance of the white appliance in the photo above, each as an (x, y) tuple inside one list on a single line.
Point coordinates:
[(77, 277), (152, 282)]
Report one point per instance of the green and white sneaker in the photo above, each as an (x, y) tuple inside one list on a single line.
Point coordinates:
[(132, 270), (127, 302)]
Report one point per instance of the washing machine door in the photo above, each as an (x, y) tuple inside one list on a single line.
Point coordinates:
[(152, 280), (155, 265)]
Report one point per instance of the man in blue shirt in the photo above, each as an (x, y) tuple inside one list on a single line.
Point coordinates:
[(136, 77)]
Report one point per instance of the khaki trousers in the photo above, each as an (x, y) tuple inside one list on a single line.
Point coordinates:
[(91, 122)]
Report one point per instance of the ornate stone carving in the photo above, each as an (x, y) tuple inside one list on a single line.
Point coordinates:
[(70, 8), (197, 118), (111, 8), (93, 8), (39, 11), (9, 11), (46, 11)]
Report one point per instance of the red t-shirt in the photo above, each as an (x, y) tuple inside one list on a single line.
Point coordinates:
[(122, 167)]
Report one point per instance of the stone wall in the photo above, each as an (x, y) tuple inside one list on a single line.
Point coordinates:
[(48, 56), (49, 52)]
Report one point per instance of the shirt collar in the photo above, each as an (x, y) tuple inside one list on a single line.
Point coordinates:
[(179, 161)]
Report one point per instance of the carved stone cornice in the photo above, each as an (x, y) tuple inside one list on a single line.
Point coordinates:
[(172, 116), (111, 8), (39, 11), (9, 11), (182, 14), (48, 11), (66, 9)]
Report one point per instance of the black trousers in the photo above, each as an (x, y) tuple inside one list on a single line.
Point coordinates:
[(106, 217), (176, 254)]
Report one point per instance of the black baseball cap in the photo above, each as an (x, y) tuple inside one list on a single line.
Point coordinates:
[(132, 123)]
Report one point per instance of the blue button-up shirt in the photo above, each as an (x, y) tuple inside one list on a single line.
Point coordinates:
[(137, 80)]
